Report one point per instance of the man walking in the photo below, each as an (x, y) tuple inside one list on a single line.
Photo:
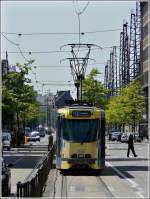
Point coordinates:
[(131, 145)]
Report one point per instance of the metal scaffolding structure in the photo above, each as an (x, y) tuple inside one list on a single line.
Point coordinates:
[(138, 36), (133, 48), (120, 61), (125, 56), (111, 74), (124, 69), (135, 38), (106, 76), (129, 58)]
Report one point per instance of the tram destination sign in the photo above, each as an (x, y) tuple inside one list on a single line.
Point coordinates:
[(81, 114)]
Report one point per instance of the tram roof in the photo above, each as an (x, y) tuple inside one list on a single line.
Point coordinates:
[(67, 111)]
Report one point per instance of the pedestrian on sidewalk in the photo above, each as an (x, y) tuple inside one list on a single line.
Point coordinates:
[(131, 145)]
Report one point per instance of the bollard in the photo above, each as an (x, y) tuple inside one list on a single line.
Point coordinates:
[(23, 189), (42, 179), (25, 140), (51, 157), (32, 188), (27, 189), (50, 142), (39, 183), (18, 188)]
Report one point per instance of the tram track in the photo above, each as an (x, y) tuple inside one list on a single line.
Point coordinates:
[(102, 189), (104, 186), (64, 186), (80, 185), (54, 186)]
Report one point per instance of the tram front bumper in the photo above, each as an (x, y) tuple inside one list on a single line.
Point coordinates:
[(80, 160)]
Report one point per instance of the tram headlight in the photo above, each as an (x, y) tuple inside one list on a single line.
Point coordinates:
[(80, 155)]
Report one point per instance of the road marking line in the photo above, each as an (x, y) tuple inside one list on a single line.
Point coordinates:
[(132, 183), (18, 160)]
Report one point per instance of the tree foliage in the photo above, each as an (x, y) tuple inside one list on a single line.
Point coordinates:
[(128, 108), (18, 97), (93, 90)]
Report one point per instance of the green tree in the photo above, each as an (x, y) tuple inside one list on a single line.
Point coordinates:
[(128, 108), (93, 90), (18, 97)]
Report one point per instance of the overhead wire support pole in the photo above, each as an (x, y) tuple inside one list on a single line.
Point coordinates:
[(124, 56), (78, 65), (115, 70), (133, 47), (78, 72), (121, 62), (138, 36)]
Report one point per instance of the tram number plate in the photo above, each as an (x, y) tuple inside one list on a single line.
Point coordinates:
[(81, 113)]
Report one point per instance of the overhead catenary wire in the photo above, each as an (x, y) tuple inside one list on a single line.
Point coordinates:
[(60, 33), (59, 84), (65, 66), (53, 81), (79, 21), (22, 54), (9, 40), (55, 51), (85, 7)]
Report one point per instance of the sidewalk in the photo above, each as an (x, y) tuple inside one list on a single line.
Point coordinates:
[(116, 151)]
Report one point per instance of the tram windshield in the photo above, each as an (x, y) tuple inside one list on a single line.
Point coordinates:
[(80, 130)]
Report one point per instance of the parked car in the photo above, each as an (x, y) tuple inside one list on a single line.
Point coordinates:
[(46, 129), (124, 138), (6, 140), (115, 136), (33, 136), (6, 178), (137, 138), (42, 131)]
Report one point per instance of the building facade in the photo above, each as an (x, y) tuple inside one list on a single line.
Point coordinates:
[(144, 60), (4, 66), (61, 97)]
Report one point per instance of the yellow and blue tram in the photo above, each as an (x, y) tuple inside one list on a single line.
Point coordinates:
[(80, 138)]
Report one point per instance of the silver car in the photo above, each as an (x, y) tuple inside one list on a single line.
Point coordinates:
[(6, 140), (33, 136), (124, 138)]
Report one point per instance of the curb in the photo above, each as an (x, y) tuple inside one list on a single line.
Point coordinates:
[(126, 159)]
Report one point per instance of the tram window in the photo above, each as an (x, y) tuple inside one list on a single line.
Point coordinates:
[(80, 130)]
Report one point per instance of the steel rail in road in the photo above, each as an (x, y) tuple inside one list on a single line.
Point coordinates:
[(61, 185), (64, 186), (104, 186)]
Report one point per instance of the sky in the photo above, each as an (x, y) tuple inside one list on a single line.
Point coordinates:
[(60, 17)]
